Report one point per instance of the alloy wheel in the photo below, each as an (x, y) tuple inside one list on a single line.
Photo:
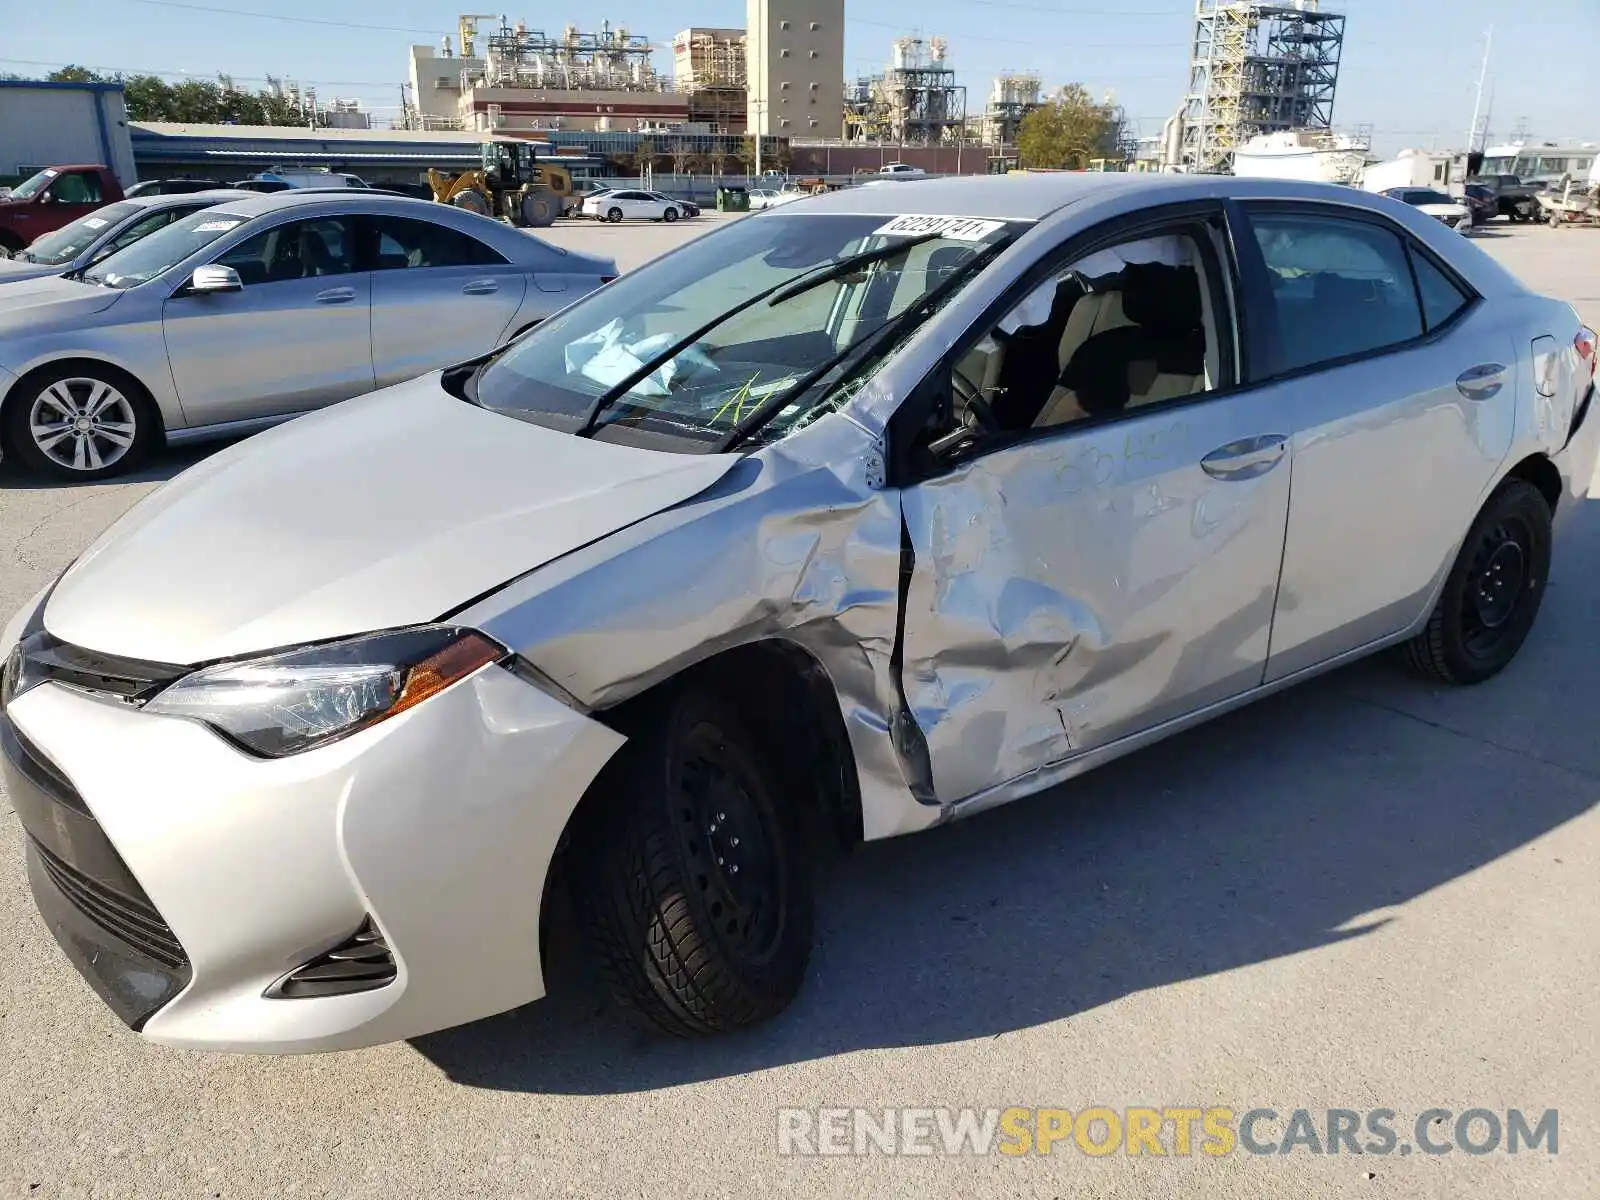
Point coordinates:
[(82, 424)]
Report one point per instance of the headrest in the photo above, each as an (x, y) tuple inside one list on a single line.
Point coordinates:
[(1161, 298)]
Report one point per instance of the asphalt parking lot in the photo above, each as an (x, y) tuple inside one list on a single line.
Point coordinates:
[(1366, 893)]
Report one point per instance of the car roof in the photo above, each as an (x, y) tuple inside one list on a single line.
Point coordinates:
[(516, 244), (1001, 197), (1034, 197), (173, 199), (256, 204)]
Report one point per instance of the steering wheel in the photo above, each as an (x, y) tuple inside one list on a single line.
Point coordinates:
[(971, 397)]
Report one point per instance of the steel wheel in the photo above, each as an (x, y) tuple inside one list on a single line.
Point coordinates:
[(728, 837), (1496, 583), (82, 425), (688, 874), (1492, 595)]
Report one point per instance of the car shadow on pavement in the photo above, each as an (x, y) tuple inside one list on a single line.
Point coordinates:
[(158, 468), (1294, 824)]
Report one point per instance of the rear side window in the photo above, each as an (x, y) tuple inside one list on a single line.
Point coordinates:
[(406, 243), (1340, 288), (1442, 297)]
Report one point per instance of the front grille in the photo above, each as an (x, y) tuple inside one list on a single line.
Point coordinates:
[(131, 919), (362, 962), (44, 658)]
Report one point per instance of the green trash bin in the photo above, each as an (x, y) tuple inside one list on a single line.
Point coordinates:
[(733, 199)]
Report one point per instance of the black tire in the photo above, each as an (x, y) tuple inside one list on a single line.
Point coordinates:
[(77, 382), (683, 944), (539, 209), (472, 201), (1493, 593), (670, 215), (614, 215)]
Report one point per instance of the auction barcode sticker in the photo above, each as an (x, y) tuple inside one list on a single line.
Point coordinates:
[(217, 226), (961, 229)]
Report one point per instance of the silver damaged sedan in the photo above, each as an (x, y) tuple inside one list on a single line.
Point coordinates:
[(851, 518), (258, 309)]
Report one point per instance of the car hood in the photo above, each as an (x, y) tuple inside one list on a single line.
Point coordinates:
[(1443, 210), (30, 305), (14, 270), (387, 510)]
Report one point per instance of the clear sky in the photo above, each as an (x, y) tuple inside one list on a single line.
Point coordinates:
[(1410, 66)]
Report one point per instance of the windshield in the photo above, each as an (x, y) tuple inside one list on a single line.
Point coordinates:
[(66, 243), (31, 187), (164, 249), (1429, 198), (565, 372)]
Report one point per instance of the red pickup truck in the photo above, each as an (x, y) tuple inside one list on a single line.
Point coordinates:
[(47, 201)]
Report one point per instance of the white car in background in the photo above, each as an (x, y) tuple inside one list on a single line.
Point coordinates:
[(633, 203), (767, 198), (1436, 204), (898, 170)]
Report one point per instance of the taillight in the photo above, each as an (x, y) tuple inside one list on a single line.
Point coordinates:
[(1584, 344)]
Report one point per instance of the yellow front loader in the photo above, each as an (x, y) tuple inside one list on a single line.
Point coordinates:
[(511, 183)]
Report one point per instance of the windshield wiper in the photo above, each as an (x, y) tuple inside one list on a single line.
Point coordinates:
[(776, 403), (776, 294)]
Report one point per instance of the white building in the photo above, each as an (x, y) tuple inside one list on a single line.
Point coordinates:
[(436, 85)]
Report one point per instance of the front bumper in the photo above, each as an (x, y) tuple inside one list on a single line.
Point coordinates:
[(192, 878)]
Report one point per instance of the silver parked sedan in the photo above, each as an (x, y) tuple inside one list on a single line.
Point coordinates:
[(855, 518), (100, 234), (248, 312)]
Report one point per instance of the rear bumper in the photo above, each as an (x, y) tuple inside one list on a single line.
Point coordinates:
[(1576, 460)]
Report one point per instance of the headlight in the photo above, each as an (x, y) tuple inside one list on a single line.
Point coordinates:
[(290, 702)]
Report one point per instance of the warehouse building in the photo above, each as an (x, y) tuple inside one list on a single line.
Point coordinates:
[(48, 124)]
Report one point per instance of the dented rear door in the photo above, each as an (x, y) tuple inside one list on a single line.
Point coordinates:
[(1070, 591)]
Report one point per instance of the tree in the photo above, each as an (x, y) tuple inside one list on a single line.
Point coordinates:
[(1068, 131), (745, 155), (148, 97), (681, 156), (72, 73)]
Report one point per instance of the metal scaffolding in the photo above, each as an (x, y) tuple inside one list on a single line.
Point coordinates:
[(1011, 97), (1258, 67), (916, 102), (610, 60), (710, 66)]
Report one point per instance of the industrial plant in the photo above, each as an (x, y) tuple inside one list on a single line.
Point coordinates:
[(1259, 99), (1258, 67)]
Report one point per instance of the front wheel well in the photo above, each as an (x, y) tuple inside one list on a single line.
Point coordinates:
[(788, 697), (135, 390), (1538, 470), (789, 700)]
